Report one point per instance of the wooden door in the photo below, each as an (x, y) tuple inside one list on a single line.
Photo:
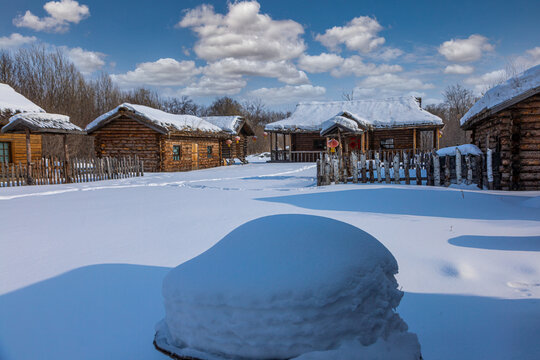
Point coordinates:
[(194, 156)]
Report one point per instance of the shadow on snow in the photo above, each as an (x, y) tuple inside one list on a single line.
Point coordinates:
[(109, 312), (419, 202), (512, 243)]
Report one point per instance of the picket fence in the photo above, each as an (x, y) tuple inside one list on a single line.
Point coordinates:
[(407, 167), (51, 170)]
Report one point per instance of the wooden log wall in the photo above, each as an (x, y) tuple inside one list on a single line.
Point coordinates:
[(18, 146), (187, 159), (514, 134), (51, 170), (126, 137), (235, 150)]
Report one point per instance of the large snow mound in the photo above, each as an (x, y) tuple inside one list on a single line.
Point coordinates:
[(282, 286)]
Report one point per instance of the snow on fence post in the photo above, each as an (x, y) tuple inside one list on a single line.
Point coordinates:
[(458, 166), (327, 170), (396, 169), (354, 167), (436, 169), (406, 167), (378, 166), (469, 169), (489, 168), (386, 169), (363, 166)]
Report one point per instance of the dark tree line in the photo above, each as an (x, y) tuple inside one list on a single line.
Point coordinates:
[(51, 80), (457, 101)]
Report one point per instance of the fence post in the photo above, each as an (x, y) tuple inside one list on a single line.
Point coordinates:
[(489, 168), (396, 169), (406, 167), (458, 166), (436, 169), (378, 166), (469, 169), (354, 167), (363, 167), (386, 169), (447, 170)]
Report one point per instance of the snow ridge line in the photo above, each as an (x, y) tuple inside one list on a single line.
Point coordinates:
[(173, 183)]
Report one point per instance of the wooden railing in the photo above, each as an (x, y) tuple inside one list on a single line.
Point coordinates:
[(295, 156), (49, 171)]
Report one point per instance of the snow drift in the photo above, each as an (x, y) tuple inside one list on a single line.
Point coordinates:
[(283, 286)]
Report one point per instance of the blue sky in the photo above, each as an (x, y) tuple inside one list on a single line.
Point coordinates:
[(283, 52)]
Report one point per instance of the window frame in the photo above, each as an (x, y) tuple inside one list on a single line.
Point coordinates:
[(7, 154), (387, 143), (177, 156), (209, 151)]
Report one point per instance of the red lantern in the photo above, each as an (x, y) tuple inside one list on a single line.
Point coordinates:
[(228, 142), (237, 138), (254, 138), (265, 134), (332, 144)]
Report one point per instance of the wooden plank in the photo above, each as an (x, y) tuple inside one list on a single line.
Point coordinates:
[(447, 170), (406, 167)]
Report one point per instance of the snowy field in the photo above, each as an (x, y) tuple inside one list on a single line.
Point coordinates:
[(81, 266)]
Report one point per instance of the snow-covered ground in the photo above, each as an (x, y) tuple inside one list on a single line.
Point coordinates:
[(81, 266)]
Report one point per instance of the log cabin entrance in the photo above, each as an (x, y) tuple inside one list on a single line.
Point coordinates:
[(194, 156)]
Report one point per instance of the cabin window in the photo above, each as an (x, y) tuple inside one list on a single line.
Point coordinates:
[(209, 150), (5, 152), (318, 144), (176, 152), (387, 143)]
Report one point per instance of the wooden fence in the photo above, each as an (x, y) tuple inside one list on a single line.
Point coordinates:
[(407, 167), (48, 171)]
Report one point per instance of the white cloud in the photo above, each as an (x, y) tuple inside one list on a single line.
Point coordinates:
[(15, 40), (61, 14), (465, 50), (355, 66), (163, 72), (86, 61), (214, 86), (319, 63), (282, 70), (359, 34), (387, 85), (243, 33), (530, 59), (387, 54), (486, 81), (288, 93), (458, 69)]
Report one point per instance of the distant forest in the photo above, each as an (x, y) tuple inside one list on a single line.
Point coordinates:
[(51, 80)]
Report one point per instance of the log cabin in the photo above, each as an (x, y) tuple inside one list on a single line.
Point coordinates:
[(507, 121), (389, 124), (13, 146), (165, 142), (239, 130)]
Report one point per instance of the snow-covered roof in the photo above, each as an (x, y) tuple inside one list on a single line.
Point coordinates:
[(158, 120), (387, 113), (41, 122), (343, 123), (230, 124), (12, 101), (504, 95)]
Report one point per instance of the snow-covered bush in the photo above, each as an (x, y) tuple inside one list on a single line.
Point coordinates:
[(283, 286)]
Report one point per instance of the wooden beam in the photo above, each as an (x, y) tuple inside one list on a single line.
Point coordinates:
[(414, 139), (363, 142), (67, 170)]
